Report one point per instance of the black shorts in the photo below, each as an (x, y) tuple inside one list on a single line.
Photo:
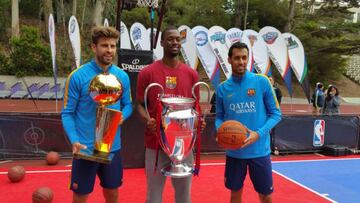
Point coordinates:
[(259, 169), (83, 174)]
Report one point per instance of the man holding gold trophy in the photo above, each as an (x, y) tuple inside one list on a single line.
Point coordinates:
[(96, 102), (172, 120)]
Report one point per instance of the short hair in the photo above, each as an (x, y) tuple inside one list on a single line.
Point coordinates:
[(103, 32), (319, 85), (237, 45), (168, 28)]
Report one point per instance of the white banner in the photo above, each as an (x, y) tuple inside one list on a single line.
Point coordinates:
[(277, 48), (138, 36), (236, 35), (296, 55), (260, 52), (51, 27), (124, 37), (204, 50), (158, 51), (216, 39), (188, 46), (106, 22), (74, 35)]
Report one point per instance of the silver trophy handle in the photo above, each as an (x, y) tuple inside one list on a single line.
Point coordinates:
[(201, 83), (208, 91), (146, 92)]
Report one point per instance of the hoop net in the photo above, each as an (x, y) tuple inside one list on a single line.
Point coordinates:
[(148, 3)]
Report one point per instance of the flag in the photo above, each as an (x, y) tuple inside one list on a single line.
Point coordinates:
[(74, 35), (278, 53)]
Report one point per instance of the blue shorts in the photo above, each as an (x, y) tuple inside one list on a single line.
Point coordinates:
[(83, 174), (259, 169)]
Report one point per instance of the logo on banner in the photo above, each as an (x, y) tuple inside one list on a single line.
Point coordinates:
[(170, 82), (270, 37), (218, 36), (201, 38), (319, 133), (136, 33), (252, 39), (72, 26), (234, 37), (122, 29), (291, 44), (183, 34)]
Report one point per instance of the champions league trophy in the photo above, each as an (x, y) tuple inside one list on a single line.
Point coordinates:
[(178, 129), (105, 89)]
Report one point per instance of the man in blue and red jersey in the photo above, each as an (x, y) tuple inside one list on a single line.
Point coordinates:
[(248, 98), (177, 80), (79, 118)]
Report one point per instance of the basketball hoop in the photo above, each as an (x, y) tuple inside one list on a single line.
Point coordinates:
[(147, 3)]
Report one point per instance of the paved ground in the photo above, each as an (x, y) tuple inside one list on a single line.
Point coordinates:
[(289, 106)]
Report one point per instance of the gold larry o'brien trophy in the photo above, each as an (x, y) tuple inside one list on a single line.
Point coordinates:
[(105, 89)]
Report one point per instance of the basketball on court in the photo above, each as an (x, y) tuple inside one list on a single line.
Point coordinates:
[(52, 158), (42, 195), (231, 134), (16, 173)]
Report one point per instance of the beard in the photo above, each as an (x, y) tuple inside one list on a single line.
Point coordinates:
[(105, 60)]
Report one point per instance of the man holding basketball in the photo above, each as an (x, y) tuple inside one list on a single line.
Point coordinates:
[(249, 99)]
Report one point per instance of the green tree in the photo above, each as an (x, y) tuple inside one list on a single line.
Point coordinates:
[(29, 56), (327, 35)]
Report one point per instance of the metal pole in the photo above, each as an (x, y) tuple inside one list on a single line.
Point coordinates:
[(118, 19), (162, 13), (152, 28)]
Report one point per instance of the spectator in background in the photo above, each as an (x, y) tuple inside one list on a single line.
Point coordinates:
[(332, 101), (318, 98), (276, 89)]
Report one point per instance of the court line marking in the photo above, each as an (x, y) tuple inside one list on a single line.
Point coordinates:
[(42, 171), (305, 187), (7, 161), (203, 164), (312, 160)]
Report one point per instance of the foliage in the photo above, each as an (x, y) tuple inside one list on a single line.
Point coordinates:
[(30, 8), (4, 64), (327, 36), (4, 22), (267, 13), (29, 56)]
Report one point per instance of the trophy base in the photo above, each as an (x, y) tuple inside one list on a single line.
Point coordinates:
[(94, 155), (177, 171)]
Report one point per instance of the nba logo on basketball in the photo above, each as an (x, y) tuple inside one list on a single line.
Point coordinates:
[(319, 133)]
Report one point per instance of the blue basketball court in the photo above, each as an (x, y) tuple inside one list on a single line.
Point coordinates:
[(338, 180)]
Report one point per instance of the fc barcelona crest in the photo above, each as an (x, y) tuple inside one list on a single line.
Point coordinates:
[(251, 92), (170, 82)]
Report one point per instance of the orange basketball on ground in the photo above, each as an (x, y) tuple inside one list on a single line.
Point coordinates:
[(52, 158), (42, 195), (16, 173), (231, 134)]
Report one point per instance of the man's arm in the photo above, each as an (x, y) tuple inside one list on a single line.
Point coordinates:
[(71, 99), (126, 101), (141, 85), (272, 108), (220, 111)]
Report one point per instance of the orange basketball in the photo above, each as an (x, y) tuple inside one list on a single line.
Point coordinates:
[(52, 158), (16, 173), (231, 134), (42, 195)]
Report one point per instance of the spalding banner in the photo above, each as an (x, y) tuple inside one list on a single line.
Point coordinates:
[(132, 62)]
